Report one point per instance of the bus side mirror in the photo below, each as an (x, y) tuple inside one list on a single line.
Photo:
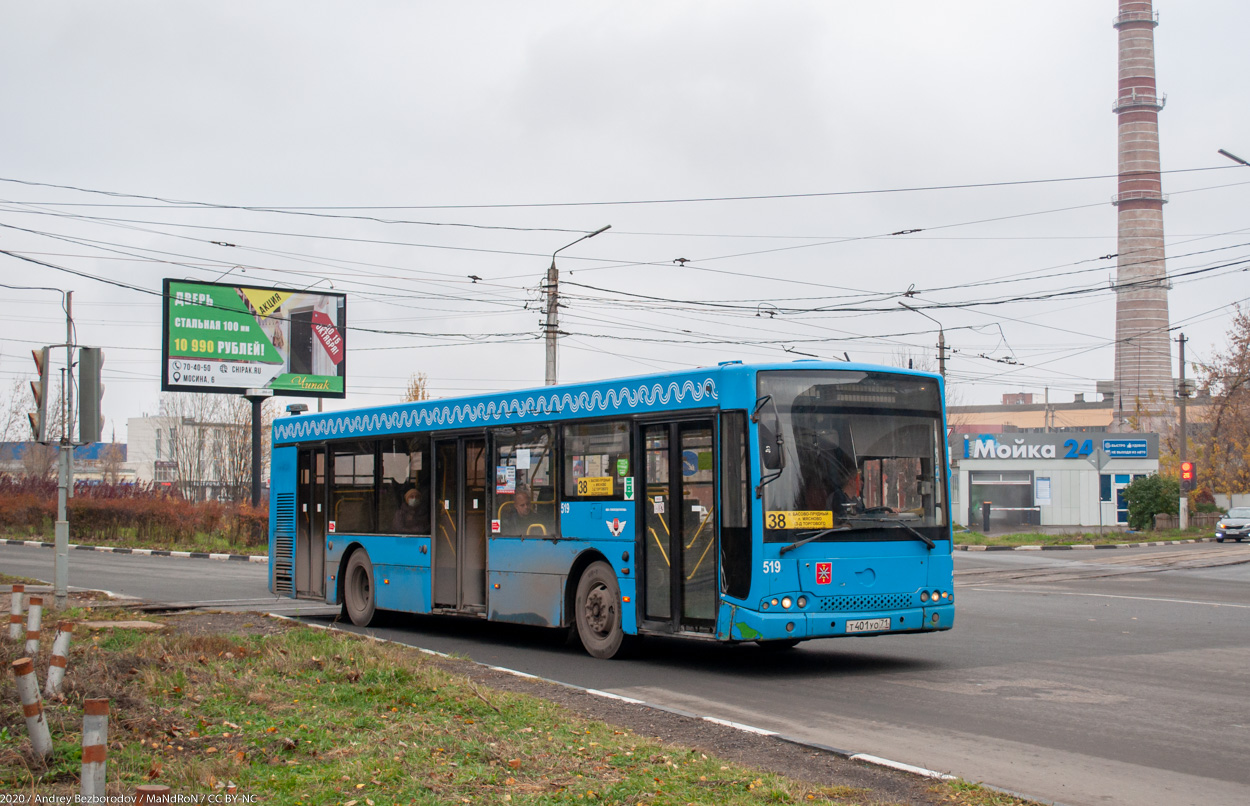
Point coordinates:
[(770, 445)]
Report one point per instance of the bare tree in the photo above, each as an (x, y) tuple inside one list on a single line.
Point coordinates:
[(211, 443), (38, 460), (112, 457), (13, 420), (418, 388)]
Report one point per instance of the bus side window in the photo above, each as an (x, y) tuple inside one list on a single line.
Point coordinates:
[(596, 461), (352, 486), (404, 499), (523, 502)]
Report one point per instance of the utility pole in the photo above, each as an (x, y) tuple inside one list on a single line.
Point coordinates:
[(941, 345), (1184, 395), (552, 288), (65, 465)]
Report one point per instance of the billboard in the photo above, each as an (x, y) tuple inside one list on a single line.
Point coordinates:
[(230, 338)]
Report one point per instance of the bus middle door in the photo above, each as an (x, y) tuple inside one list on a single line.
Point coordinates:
[(679, 555), (460, 526)]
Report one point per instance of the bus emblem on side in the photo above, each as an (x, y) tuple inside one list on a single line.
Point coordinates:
[(824, 573), (616, 526)]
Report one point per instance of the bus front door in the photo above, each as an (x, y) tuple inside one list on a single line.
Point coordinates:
[(460, 528), (310, 535), (679, 526)]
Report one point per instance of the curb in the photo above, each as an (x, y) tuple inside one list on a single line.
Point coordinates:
[(1085, 546), (195, 555)]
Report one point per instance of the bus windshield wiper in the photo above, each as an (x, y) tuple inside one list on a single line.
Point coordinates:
[(928, 541), (816, 536)]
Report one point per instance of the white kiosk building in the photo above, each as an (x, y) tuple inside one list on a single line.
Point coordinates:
[(1067, 479)]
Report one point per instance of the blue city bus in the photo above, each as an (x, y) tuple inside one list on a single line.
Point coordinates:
[(770, 503)]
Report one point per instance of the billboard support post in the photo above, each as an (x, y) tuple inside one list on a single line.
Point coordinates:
[(258, 397)]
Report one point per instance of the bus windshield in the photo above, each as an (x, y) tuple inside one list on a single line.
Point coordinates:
[(851, 455)]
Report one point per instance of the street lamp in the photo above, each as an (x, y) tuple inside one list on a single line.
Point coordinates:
[(1234, 157), (553, 296), (941, 345)]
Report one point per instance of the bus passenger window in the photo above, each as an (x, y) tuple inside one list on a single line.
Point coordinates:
[(596, 461), (523, 503), (404, 502), (351, 491)]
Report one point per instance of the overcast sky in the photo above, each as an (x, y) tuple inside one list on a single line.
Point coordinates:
[(524, 118)]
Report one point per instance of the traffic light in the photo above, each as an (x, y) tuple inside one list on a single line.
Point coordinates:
[(90, 394), (1189, 475), (39, 389)]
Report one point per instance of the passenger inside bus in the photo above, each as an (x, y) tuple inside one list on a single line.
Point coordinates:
[(520, 517), (412, 515)]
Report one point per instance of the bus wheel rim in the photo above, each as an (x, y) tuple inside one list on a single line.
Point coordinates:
[(598, 610)]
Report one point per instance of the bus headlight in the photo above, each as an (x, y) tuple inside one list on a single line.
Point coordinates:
[(924, 596), (802, 602), (785, 602)]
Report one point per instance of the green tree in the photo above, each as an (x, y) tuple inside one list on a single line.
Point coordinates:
[(1222, 442), (1149, 496)]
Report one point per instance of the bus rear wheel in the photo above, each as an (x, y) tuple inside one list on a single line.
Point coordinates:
[(358, 602), (598, 611)]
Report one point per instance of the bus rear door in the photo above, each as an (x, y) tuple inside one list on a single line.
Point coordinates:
[(310, 537)]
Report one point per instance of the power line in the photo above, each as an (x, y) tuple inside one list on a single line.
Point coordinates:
[(599, 203)]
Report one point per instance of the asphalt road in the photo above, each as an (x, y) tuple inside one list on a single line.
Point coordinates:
[(1081, 677)]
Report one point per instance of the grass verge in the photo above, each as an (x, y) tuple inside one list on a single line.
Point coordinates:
[(213, 543), (1078, 539), (9, 579), (301, 716)]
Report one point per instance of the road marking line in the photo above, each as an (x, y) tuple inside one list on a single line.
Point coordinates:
[(1113, 596)]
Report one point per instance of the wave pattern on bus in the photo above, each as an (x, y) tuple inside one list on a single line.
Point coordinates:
[(495, 410)]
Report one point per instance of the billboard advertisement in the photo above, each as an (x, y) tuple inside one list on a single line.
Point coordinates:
[(230, 338)]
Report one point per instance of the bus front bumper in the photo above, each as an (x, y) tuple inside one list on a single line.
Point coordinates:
[(750, 625)]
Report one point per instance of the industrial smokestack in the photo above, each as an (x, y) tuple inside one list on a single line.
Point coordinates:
[(1143, 356)]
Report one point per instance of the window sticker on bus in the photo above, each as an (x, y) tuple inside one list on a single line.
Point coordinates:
[(330, 527), (622, 467), (629, 488), (595, 485), (505, 479), (523, 458), (657, 506), (495, 527), (803, 519)]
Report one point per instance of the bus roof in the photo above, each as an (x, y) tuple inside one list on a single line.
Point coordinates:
[(677, 389)]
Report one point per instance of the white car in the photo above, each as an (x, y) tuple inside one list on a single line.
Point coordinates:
[(1233, 526)]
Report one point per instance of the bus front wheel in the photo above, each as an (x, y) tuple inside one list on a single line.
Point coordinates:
[(358, 589), (598, 606)]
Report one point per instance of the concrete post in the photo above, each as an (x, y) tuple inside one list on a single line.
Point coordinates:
[(60, 658), (34, 619), (15, 613), (151, 795), (95, 728), (32, 707)]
